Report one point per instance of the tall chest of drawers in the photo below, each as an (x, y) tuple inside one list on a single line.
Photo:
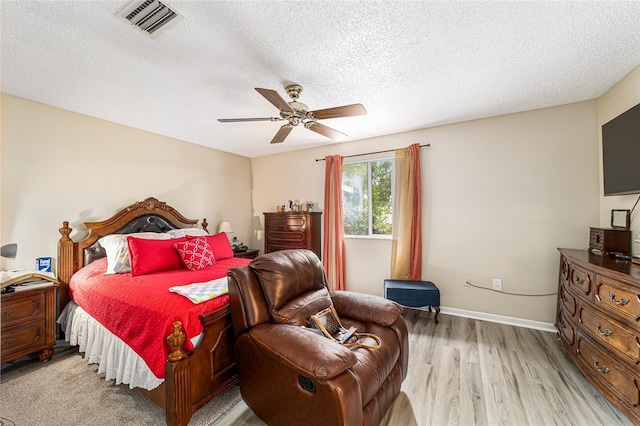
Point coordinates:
[(598, 321), (292, 230)]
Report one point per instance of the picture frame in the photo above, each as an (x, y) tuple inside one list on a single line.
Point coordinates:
[(621, 219)]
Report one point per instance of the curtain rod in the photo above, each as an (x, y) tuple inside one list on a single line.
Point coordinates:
[(370, 153)]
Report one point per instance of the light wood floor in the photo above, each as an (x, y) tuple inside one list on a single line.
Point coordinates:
[(469, 372)]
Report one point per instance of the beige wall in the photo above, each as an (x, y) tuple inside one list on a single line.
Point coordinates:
[(500, 195), (58, 165), (617, 100)]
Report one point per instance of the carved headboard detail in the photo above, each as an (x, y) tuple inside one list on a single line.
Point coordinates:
[(149, 215)]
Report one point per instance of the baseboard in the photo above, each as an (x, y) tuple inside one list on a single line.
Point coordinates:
[(518, 322)]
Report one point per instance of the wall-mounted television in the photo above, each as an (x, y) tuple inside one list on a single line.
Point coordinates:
[(621, 153)]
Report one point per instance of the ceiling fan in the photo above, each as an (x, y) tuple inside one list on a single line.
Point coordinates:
[(295, 113)]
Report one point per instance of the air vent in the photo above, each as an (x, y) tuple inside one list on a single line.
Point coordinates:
[(150, 16)]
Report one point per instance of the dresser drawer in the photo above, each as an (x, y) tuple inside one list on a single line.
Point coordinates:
[(611, 333), (567, 329), (16, 339), (286, 222), (565, 268), (580, 280), (277, 246), (618, 298), (621, 379), (569, 303), (25, 308), (293, 236)]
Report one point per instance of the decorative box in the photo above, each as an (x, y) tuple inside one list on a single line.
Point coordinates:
[(610, 240)]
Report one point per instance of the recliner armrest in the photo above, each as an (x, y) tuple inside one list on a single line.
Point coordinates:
[(309, 353), (366, 308)]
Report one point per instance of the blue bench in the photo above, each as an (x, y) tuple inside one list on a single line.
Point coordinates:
[(414, 294)]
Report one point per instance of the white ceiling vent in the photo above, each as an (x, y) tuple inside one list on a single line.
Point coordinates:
[(150, 16)]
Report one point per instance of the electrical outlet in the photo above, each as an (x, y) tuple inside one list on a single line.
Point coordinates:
[(467, 281), (497, 284)]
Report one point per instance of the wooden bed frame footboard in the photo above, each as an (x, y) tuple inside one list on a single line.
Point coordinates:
[(192, 380)]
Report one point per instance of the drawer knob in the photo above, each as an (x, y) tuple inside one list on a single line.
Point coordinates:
[(8, 342), (622, 301), (604, 368), (579, 280), (8, 313), (606, 331)]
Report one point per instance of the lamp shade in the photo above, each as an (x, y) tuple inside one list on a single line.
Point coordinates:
[(9, 250), (225, 227)]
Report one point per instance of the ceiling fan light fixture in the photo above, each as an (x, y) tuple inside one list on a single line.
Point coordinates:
[(296, 113), (298, 106)]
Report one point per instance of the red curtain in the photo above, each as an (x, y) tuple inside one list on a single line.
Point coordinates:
[(333, 250)]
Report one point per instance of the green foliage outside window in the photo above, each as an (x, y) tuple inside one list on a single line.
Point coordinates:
[(367, 197)]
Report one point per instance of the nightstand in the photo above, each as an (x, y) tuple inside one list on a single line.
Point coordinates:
[(249, 254), (28, 322)]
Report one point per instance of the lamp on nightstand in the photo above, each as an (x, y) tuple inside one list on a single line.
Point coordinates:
[(9, 250), (226, 228)]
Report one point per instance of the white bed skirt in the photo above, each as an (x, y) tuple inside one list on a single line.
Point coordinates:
[(114, 358)]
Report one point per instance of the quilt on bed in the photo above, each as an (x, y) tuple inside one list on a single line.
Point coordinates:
[(141, 310)]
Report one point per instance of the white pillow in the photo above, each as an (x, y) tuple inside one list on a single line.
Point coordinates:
[(183, 232), (118, 261)]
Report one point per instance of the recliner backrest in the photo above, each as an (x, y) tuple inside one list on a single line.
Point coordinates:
[(293, 283)]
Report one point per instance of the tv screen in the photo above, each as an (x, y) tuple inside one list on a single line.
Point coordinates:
[(621, 153)]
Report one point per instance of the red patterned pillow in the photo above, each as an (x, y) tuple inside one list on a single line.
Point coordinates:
[(195, 253)]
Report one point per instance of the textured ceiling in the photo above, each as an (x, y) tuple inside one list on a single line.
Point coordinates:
[(411, 64)]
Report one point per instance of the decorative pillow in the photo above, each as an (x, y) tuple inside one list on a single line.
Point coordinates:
[(220, 245), (118, 260), (195, 253), (148, 256), (193, 232)]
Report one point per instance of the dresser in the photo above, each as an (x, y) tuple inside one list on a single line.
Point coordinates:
[(293, 230), (598, 322), (28, 322)]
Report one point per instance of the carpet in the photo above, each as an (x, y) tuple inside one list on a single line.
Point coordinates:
[(68, 391)]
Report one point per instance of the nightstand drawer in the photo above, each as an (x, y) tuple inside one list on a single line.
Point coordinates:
[(25, 308), (249, 254), (16, 339)]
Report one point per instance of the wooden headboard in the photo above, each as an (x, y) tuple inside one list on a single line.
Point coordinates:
[(150, 215)]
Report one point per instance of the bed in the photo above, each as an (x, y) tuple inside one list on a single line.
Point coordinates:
[(196, 368)]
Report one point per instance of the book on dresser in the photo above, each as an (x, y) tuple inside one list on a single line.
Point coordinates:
[(598, 322)]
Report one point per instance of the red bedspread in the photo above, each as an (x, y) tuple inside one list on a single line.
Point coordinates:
[(140, 310)]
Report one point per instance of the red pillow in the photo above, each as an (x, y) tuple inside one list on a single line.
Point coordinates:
[(149, 256), (195, 253), (219, 244)]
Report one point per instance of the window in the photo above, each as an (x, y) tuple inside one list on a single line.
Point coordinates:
[(367, 197)]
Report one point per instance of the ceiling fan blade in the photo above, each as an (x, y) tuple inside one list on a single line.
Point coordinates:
[(234, 120), (341, 111), (273, 97), (282, 133), (324, 130)]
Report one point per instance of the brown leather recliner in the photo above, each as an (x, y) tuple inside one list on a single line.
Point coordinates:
[(292, 376)]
